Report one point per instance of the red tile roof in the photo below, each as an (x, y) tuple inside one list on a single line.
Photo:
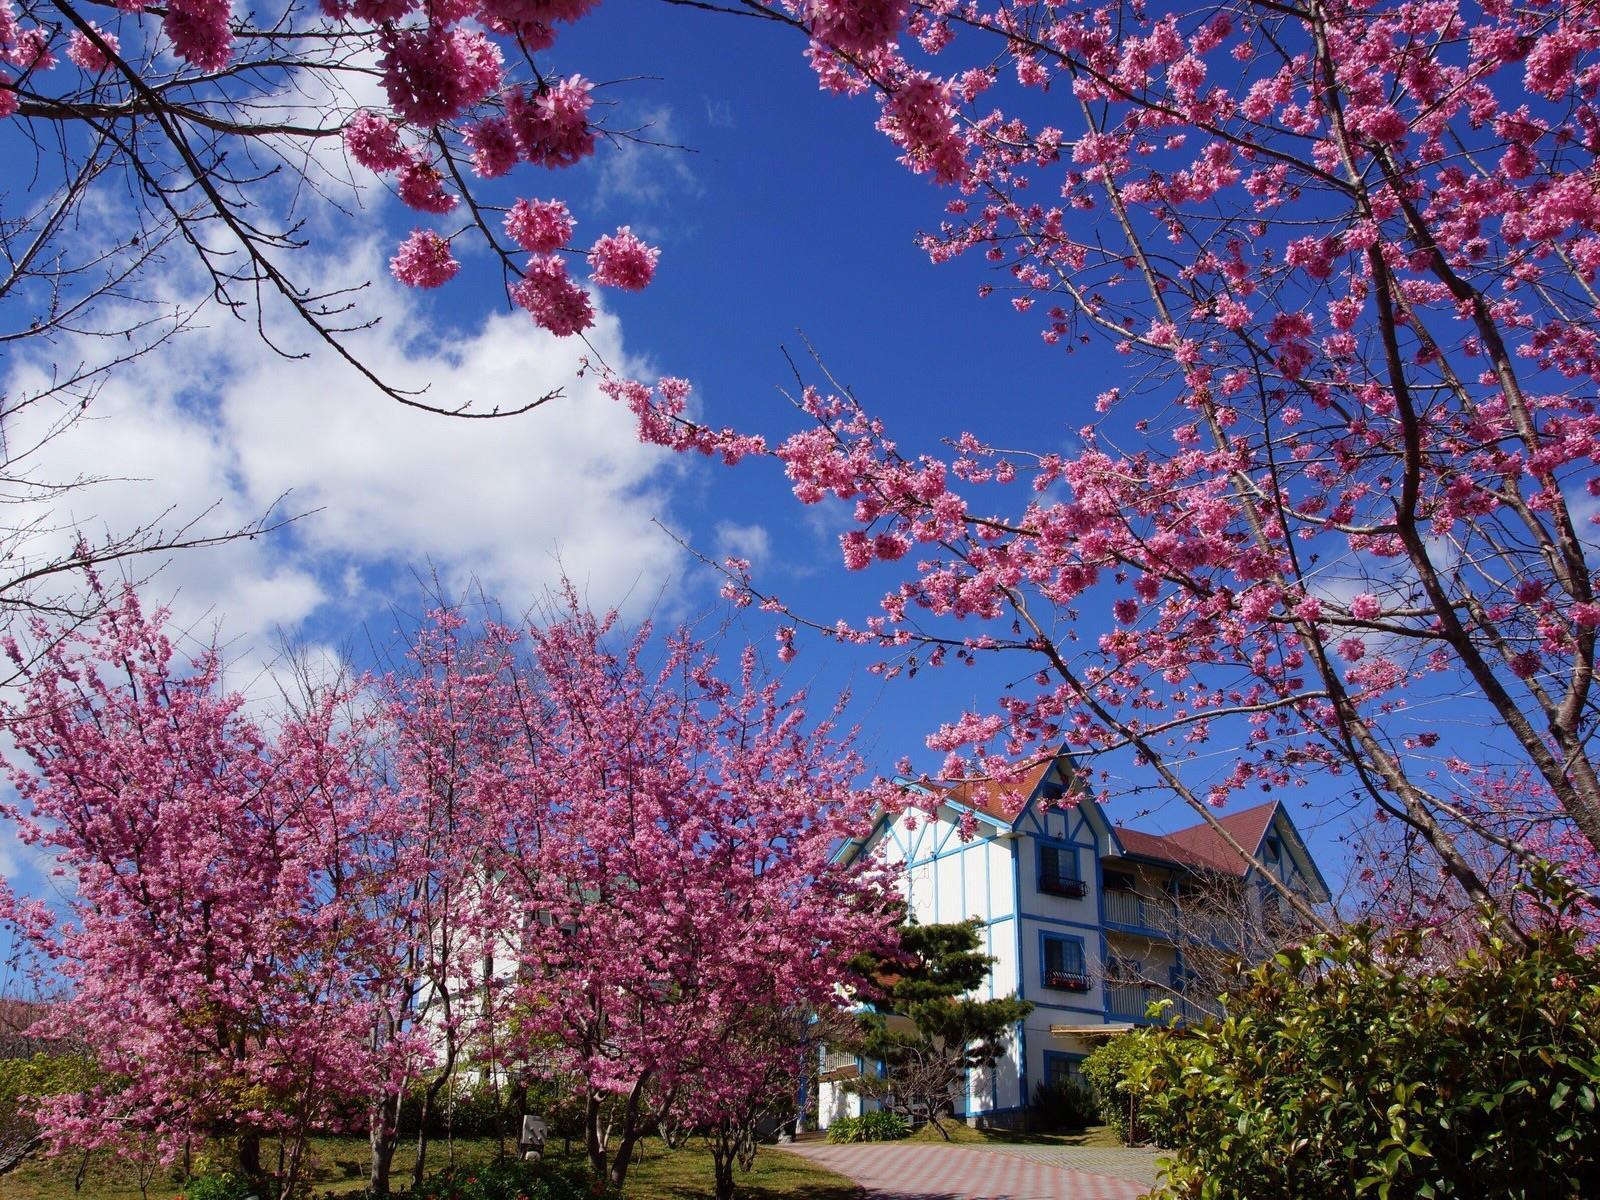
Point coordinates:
[(1201, 846), (990, 796)]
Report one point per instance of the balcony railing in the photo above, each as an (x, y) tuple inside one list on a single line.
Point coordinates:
[(1127, 1000), (1058, 884), (1067, 981), (1133, 910)]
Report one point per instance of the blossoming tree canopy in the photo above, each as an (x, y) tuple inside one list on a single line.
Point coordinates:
[(1347, 252), (206, 112), (216, 974), (665, 870)]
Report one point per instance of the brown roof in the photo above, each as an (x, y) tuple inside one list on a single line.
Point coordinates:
[(989, 796), (1201, 846)]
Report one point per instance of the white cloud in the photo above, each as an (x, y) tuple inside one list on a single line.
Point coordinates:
[(645, 166), (215, 418), (751, 542)]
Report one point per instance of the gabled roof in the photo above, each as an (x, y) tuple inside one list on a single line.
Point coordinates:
[(988, 796), (1200, 846)]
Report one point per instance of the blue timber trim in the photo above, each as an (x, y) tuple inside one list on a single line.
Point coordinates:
[(1059, 921), (1022, 987), (1105, 947), (1072, 1008)]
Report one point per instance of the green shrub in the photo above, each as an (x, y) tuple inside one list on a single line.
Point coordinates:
[(225, 1185), (1065, 1106), (1107, 1069), (512, 1179), (1346, 1069), (876, 1126)]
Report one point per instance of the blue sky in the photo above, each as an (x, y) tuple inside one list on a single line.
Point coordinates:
[(787, 215)]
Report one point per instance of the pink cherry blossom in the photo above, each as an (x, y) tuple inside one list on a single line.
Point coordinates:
[(539, 226), (622, 260), (86, 54), (552, 298), (374, 142), (424, 261)]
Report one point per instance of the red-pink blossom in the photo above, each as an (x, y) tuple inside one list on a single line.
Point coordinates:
[(374, 142), (551, 296), (539, 226), (622, 260), (424, 260), (83, 50)]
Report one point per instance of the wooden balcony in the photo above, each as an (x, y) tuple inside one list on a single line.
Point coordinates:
[(1129, 910)]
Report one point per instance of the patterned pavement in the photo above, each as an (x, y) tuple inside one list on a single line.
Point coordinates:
[(926, 1171)]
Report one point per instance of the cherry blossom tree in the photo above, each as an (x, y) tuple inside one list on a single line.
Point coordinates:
[(1334, 515), (169, 162), (665, 869), (209, 134), (205, 942)]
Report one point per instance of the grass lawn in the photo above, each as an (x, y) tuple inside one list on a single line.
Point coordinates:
[(339, 1169), (1094, 1135)]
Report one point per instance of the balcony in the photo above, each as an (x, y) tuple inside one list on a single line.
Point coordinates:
[(1127, 1000), (1057, 884), (1133, 911), (1067, 981)]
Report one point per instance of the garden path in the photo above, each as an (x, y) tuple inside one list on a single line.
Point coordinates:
[(927, 1171)]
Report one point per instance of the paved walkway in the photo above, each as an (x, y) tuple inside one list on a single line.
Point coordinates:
[(928, 1171), (1128, 1162)]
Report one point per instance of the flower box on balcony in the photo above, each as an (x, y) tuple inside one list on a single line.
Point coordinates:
[(1061, 885), (1066, 981)]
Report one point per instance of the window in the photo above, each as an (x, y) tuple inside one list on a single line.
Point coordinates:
[(1062, 1069), (1118, 881), (1062, 964), (1052, 792), (1058, 871)]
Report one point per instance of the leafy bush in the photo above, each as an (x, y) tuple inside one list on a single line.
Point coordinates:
[(225, 1185), (1108, 1069), (512, 1179), (467, 1110), (1065, 1106), (1344, 1069), (869, 1127)]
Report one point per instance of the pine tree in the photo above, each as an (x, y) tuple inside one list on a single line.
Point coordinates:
[(924, 1025)]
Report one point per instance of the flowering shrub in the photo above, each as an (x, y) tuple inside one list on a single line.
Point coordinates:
[(1341, 1070)]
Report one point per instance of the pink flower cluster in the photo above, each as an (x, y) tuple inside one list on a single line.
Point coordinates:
[(539, 226), (424, 261), (551, 296), (86, 53), (622, 260)]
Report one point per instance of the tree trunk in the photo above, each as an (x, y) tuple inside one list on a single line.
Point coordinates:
[(250, 1156), (594, 1137), (428, 1097), (722, 1162), (383, 1134)]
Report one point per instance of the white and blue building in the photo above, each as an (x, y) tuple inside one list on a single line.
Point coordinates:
[(1082, 917)]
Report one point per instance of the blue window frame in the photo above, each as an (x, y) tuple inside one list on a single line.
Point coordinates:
[(1061, 962), (1060, 1069), (1058, 870)]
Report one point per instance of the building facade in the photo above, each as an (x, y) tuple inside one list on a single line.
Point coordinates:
[(1087, 920)]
